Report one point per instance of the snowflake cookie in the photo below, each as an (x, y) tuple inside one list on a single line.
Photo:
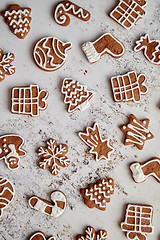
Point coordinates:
[(40, 236), (53, 156), (91, 234), (5, 64)]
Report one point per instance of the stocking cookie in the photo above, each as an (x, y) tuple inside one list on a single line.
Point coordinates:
[(18, 19), (55, 208), (66, 7), (50, 53), (40, 236), (98, 194), (11, 150), (99, 147), (151, 49), (136, 132), (53, 156), (91, 234), (76, 95), (28, 100), (6, 193), (141, 171), (5, 64), (129, 87), (138, 221), (128, 12), (107, 43)]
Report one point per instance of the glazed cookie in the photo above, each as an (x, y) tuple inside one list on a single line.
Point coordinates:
[(91, 234), (76, 95), (11, 150), (99, 147), (5, 64), (138, 221), (98, 194), (151, 49), (128, 12), (50, 53), (141, 171), (53, 156), (40, 236), (64, 8), (6, 193), (136, 132), (55, 208), (107, 43), (129, 87), (28, 100), (18, 19)]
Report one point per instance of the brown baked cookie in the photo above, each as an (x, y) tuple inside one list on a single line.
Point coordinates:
[(91, 234), (5, 64), (67, 7), (98, 194), (136, 132), (138, 221), (40, 236), (18, 19), (141, 171), (107, 43)]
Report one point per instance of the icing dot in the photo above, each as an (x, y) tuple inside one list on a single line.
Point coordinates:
[(6, 150), (25, 24), (79, 15), (74, 97), (19, 16), (108, 191), (104, 188), (148, 135), (103, 201), (15, 17), (68, 89), (22, 34), (60, 11), (124, 127), (67, 4), (95, 193), (100, 185), (91, 190), (110, 180), (9, 18), (73, 86), (4, 139), (4, 145), (20, 25), (144, 122), (14, 26), (99, 197)]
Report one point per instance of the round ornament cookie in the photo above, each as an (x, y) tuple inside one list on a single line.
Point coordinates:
[(50, 53)]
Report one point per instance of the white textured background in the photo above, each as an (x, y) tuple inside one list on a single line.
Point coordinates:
[(19, 221)]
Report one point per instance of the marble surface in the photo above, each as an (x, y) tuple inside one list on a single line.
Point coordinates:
[(19, 221)]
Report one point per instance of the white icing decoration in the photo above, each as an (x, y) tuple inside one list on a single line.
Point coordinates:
[(125, 10), (38, 234), (5, 64), (0, 150), (92, 54), (121, 91)]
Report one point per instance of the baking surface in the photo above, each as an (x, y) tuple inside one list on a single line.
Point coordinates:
[(19, 221)]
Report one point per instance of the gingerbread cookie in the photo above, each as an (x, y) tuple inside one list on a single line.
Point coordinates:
[(128, 12), (53, 156), (40, 236), (66, 7), (91, 234), (136, 132), (18, 19), (11, 150), (76, 95), (98, 194), (5, 64), (50, 53), (6, 193), (141, 171), (129, 87), (151, 49), (55, 208), (138, 221), (107, 43), (99, 147), (28, 100)]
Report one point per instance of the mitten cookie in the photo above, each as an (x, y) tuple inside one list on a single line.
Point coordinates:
[(76, 95), (141, 171), (128, 12), (91, 234), (28, 100), (98, 194), (55, 208), (151, 49), (53, 156), (66, 7), (136, 132), (50, 53), (11, 150), (138, 221), (5, 64), (6, 193), (129, 87), (40, 236), (99, 147), (107, 43), (18, 19)]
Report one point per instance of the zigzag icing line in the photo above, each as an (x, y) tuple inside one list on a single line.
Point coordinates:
[(107, 184), (20, 30), (90, 195), (102, 192), (19, 21), (48, 52), (16, 12)]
